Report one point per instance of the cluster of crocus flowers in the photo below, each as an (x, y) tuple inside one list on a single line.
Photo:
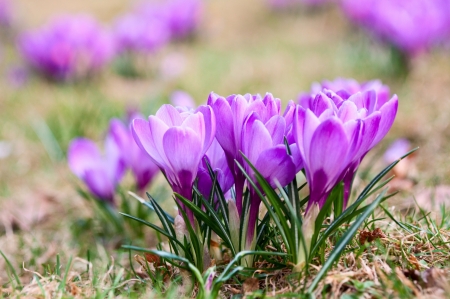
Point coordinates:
[(68, 48), (151, 25), (103, 172), (411, 26), (326, 134)]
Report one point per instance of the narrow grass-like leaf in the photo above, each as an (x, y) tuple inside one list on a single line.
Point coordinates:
[(153, 226), (277, 214), (148, 204), (344, 241), (225, 231), (168, 226), (13, 271), (62, 284), (200, 214)]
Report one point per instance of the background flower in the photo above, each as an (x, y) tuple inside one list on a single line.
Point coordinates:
[(101, 173), (68, 48)]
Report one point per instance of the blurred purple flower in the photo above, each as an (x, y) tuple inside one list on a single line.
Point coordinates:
[(68, 48), (6, 13), (184, 16), (412, 26), (177, 140), (231, 113), (17, 76), (101, 173), (134, 32), (142, 166), (218, 162), (334, 134), (182, 98), (397, 149)]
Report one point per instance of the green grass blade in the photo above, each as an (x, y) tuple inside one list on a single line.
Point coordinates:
[(13, 271), (273, 205), (344, 241)]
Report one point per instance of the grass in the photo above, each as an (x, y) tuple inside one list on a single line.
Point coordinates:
[(53, 247)]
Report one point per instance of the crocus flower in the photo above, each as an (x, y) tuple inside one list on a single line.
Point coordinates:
[(134, 32), (101, 173), (142, 166), (68, 48), (231, 113), (184, 16), (334, 134), (177, 140), (217, 160), (412, 26), (263, 145)]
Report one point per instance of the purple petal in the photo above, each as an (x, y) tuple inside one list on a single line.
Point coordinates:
[(146, 141), (255, 139), (225, 127), (328, 150), (276, 164), (169, 115), (276, 128), (210, 125), (388, 113), (99, 184), (183, 149), (82, 155)]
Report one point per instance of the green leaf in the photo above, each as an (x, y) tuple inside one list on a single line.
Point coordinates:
[(273, 203), (13, 271), (344, 241)]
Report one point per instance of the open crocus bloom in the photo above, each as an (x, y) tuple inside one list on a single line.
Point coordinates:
[(177, 140), (334, 134), (101, 173), (231, 113)]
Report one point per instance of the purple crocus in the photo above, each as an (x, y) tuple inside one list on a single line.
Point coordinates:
[(334, 134), (68, 48), (231, 113), (263, 145), (142, 166), (177, 140), (134, 32), (183, 17), (412, 26), (101, 173)]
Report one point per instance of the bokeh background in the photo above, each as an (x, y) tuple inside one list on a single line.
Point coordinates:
[(238, 47)]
